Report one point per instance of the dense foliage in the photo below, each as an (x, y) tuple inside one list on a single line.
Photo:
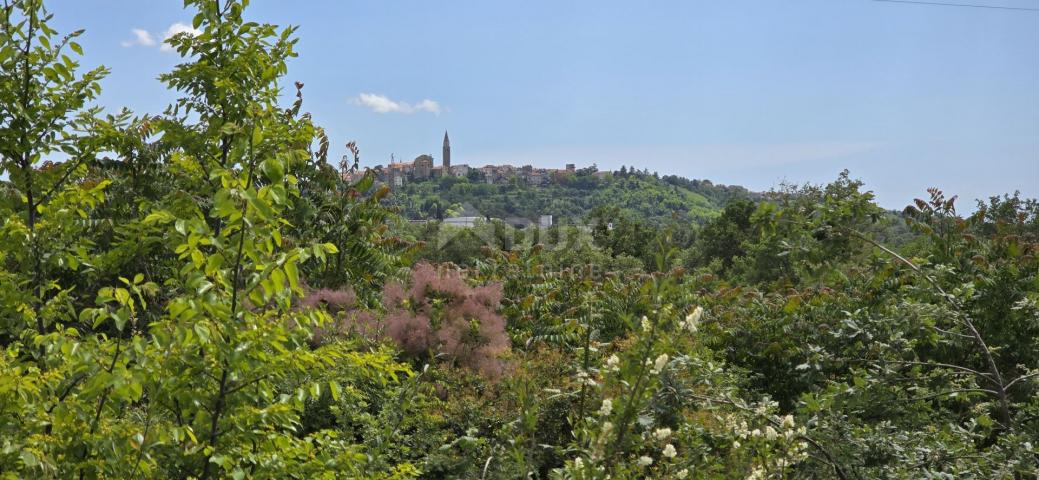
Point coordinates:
[(199, 294), (569, 197)]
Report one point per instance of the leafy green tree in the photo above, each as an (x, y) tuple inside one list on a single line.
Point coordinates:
[(350, 216), (213, 380), (44, 113), (723, 237)]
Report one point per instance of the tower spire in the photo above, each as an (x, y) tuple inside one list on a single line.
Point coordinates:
[(447, 155)]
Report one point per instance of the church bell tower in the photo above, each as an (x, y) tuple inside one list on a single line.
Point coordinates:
[(447, 154)]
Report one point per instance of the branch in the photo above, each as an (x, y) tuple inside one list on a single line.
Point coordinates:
[(947, 365), (951, 333), (1022, 377), (997, 377), (68, 390), (61, 181), (246, 384), (939, 394)]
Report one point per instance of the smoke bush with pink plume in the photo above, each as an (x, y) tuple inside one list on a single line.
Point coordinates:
[(438, 314)]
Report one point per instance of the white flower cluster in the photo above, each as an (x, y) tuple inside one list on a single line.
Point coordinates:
[(692, 321), (668, 452), (613, 363), (606, 408), (579, 471), (646, 326), (781, 433), (660, 363), (585, 379)]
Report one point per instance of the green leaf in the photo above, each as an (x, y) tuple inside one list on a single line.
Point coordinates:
[(28, 459), (135, 390), (158, 217), (120, 319), (197, 258), (203, 332), (222, 460), (277, 280), (76, 48), (985, 421), (261, 207), (292, 274), (273, 169)]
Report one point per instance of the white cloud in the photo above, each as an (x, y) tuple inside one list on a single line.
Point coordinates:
[(429, 106), (144, 38), (383, 104), (141, 37), (175, 29)]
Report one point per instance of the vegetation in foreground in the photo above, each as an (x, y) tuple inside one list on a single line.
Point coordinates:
[(198, 294)]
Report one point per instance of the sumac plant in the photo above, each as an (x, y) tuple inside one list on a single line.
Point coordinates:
[(437, 314)]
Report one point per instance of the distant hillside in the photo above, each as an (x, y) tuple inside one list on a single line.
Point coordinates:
[(571, 197)]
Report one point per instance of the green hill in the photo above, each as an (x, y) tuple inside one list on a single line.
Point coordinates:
[(571, 197)]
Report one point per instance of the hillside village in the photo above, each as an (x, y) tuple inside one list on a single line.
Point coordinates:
[(523, 196), (423, 168)]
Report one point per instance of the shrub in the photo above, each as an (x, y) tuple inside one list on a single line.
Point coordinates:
[(438, 314)]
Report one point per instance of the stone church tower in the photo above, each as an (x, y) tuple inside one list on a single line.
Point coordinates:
[(447, 154)]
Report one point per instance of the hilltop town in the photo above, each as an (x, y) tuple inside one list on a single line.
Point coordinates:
[(423, 168)]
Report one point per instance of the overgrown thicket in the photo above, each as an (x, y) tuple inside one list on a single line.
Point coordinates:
[(199, 294)]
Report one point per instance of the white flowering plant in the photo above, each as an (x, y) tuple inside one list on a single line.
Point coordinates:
[(660, 404)]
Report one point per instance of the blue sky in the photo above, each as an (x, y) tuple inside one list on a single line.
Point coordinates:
[(749, 92)]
